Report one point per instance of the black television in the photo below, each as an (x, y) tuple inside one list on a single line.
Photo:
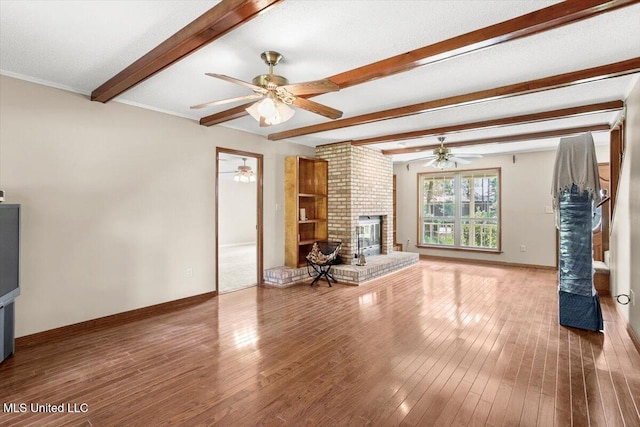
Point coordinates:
[(9, 253)]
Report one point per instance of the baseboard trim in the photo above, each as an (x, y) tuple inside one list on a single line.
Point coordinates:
[(634, 337), (111, 320), (632, 334), (487, 262)]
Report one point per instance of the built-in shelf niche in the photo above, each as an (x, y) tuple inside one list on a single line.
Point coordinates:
[(306, 187)]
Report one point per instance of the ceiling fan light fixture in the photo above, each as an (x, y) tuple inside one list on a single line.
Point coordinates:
[(267, 108), (244, 178), (253, 110), (443, 163), (443, 158), (244, 174), (277, 95), (272, 111), (284, 111)]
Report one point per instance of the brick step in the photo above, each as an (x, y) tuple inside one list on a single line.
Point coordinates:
[(376, 266)]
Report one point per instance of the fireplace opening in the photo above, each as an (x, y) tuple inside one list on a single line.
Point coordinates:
[(369, 235)]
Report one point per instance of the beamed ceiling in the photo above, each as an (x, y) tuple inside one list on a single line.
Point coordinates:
[(492, 76)]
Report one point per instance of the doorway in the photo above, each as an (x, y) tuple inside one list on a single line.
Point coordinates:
[(238, 220), (601, 230)]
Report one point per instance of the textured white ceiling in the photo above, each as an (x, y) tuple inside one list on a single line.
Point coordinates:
[(78, 45)]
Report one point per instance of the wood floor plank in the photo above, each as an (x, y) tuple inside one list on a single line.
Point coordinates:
[(619, 367), (591, 382), (521, 382), (533, 396), (579, 409), (550, 376), (360, 394), (530, 407), (400, 402), (450, 411), (546, 411), (611, 407), (485, 374), (434, 399), (439, 343), (563, 380), (465, 413), (480, 414), (500, 388), (627, 354)]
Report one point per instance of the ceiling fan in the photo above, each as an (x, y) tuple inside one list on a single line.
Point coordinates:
[(275, 95), (443, 158), (244, 173)]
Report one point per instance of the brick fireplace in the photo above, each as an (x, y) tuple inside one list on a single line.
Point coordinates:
[(360, 189), (360, 185)]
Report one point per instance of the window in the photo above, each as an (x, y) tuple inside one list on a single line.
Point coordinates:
[(460, 209)]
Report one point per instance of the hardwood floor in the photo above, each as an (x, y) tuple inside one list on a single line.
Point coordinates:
[(438, 343)]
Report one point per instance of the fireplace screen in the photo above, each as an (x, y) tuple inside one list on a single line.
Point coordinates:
[(369, 232)]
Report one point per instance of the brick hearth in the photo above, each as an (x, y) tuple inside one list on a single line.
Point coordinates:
[(283, 277)]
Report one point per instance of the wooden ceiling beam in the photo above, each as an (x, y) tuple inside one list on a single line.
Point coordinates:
[(617, 69), (217, 21), (503, 139), (529, 24), (535, 22), (226, 115), (505, 121)]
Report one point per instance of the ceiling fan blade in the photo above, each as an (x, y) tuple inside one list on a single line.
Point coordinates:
[(238, 82), (459, 160), (430, 162), (317, 108), (226, 101), (312, 88), (467, 155), (420, 159)]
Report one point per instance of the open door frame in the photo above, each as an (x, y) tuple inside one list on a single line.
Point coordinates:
[(259, 231)]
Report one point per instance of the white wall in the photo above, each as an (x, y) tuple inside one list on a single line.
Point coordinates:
[(526, 192), (117, 202), (237, 212), (625, 228)]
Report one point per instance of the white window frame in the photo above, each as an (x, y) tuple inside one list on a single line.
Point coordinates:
[(457, 218)]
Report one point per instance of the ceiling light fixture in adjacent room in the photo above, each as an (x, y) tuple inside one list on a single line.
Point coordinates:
[(244, 173)]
